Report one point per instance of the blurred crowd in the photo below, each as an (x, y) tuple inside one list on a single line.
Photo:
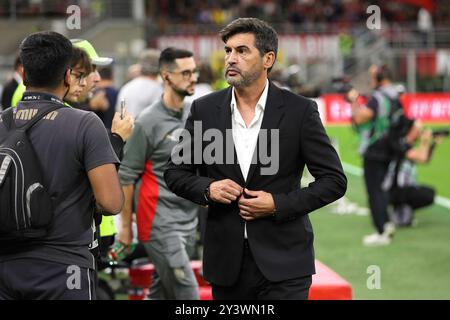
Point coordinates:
[(330, 13), (305, 12)]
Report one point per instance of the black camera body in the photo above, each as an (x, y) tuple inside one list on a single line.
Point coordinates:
[(441, 132)]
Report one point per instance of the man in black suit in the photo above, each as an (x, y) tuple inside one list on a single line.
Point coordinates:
[(258, 238), (11, 86)]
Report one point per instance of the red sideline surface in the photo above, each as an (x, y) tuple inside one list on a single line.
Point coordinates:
[(326, 284)]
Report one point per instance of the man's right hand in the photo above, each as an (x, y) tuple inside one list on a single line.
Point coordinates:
[(125, 235), (352, 95), (224, 191)]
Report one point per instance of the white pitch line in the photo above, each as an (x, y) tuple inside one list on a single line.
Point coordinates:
[(442, 201), (357, 171), (354, 170)]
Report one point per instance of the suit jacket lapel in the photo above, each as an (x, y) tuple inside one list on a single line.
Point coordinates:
[(273, 114)]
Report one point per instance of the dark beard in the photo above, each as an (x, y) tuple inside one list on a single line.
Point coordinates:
[(181, 92), (246, 79)]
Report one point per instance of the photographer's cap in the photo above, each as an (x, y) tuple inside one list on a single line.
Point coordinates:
[(89, 49)]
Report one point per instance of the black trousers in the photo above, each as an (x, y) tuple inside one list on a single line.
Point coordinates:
[(374, 173), (415, 196), (252, 285), (35, 279)]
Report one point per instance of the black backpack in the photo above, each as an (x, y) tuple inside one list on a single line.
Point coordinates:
[(26, 209)]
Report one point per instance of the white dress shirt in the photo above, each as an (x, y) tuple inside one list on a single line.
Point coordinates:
[(245, 138)]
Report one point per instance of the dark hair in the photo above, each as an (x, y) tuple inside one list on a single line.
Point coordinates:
[(45, 58), (81, 58), (106, 72), (383, 73), (169, 55), (266, 38)]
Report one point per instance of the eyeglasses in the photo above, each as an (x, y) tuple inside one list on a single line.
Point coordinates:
[(187, 74), (79, 76)]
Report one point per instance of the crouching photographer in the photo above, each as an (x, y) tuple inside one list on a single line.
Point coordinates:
[(414, 145), (374, 120)]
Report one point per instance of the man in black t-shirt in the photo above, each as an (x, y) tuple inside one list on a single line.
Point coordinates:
[(374, 121), (77, 162)]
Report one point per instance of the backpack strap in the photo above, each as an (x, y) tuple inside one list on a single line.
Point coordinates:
[(10, 124), (41, 114)]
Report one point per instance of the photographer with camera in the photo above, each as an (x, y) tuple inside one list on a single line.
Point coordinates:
[(373, 123), (406, 194)]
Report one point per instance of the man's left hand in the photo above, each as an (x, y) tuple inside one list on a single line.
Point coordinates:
[(260, 205)]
